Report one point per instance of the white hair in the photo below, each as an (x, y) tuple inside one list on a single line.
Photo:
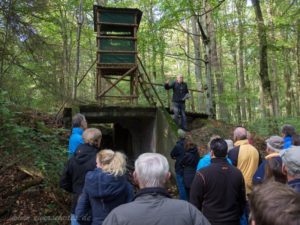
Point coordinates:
[(151, 170)]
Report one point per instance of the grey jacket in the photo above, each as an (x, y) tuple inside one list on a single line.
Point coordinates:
[(154, 206)]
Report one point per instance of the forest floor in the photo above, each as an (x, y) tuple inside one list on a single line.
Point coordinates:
[(29, 196)]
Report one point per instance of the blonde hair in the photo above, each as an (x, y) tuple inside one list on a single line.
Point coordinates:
[(112, 162), (91, 135)]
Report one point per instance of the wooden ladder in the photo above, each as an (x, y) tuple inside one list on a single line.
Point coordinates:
[(145, 88)]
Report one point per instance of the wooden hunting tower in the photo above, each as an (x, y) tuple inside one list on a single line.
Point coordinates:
[(116, 53)]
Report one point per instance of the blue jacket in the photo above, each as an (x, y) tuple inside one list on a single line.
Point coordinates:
[(178, 153), (259, 175), (295, 184), (206, 161), (75, 140), (287, 142), (102, 193)]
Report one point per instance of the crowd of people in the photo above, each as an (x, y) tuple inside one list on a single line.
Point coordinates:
[(229, 185)]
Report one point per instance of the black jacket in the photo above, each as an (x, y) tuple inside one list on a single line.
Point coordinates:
[(179, 91), (177, 153), (189, 164), (219, 192), (73, 176)]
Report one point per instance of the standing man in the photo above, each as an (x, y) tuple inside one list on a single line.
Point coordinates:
[(291, 166), (79, 124), (177, 153), (84, 160), (244, 156), (180, 94), (274, 203), (218, 190), (274, 146), (152, 204)]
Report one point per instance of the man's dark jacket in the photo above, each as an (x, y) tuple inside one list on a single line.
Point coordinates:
[(73, 176), (219, 192), (179, 91), (295, 184), (177, 153), (189, 164)]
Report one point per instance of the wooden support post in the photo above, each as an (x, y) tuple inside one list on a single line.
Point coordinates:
[(169, 102), (193, 102), (117, 81)]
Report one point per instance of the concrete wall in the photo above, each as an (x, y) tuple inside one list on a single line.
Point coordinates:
[(166, 136)]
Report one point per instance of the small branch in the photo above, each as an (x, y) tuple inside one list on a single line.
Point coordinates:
[(189, 57)]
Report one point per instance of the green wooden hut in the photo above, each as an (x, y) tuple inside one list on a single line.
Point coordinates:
[(116, 50)]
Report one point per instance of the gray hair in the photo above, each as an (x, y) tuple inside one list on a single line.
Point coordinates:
[(240, 133), (151, 170), (181, 133), (91, 135), (229, 144), (291, 159), (77, 120)]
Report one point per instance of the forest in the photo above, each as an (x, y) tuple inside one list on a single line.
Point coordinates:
[(243, 55), (241, 58)]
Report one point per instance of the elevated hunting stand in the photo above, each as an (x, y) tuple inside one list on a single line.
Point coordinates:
[(117, 60)]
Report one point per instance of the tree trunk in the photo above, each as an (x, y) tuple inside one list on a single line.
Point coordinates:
[(215, 64), (273, 69), (5, 42), (188, 52), (298, 63), (242, 86), (79, 23), (66, 55), (210, 106), (287, 79), (197, 56), (263, 50)]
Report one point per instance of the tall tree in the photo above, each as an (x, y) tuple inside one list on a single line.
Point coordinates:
[(78, 36), (263, 50), (240, 11)]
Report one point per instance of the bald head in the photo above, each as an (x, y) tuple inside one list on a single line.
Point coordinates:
[(240, 133)]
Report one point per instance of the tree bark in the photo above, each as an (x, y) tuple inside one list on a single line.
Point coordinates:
[(273, 69), (79, 24), (197, 56), (263, 50), (298, 63), (242, 86)]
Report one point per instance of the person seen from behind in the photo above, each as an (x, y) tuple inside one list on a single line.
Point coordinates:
[(244, 156), (291, 166), (152, 204), (84, 160), (189, 163), (79, 124), (206, 159), (218, 190), (177, 153), (273, 203), (270, 168), (288, 131), (105, 188)]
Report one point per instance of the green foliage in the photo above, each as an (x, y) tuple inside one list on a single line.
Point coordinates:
[(30, 143), (272, 126)]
